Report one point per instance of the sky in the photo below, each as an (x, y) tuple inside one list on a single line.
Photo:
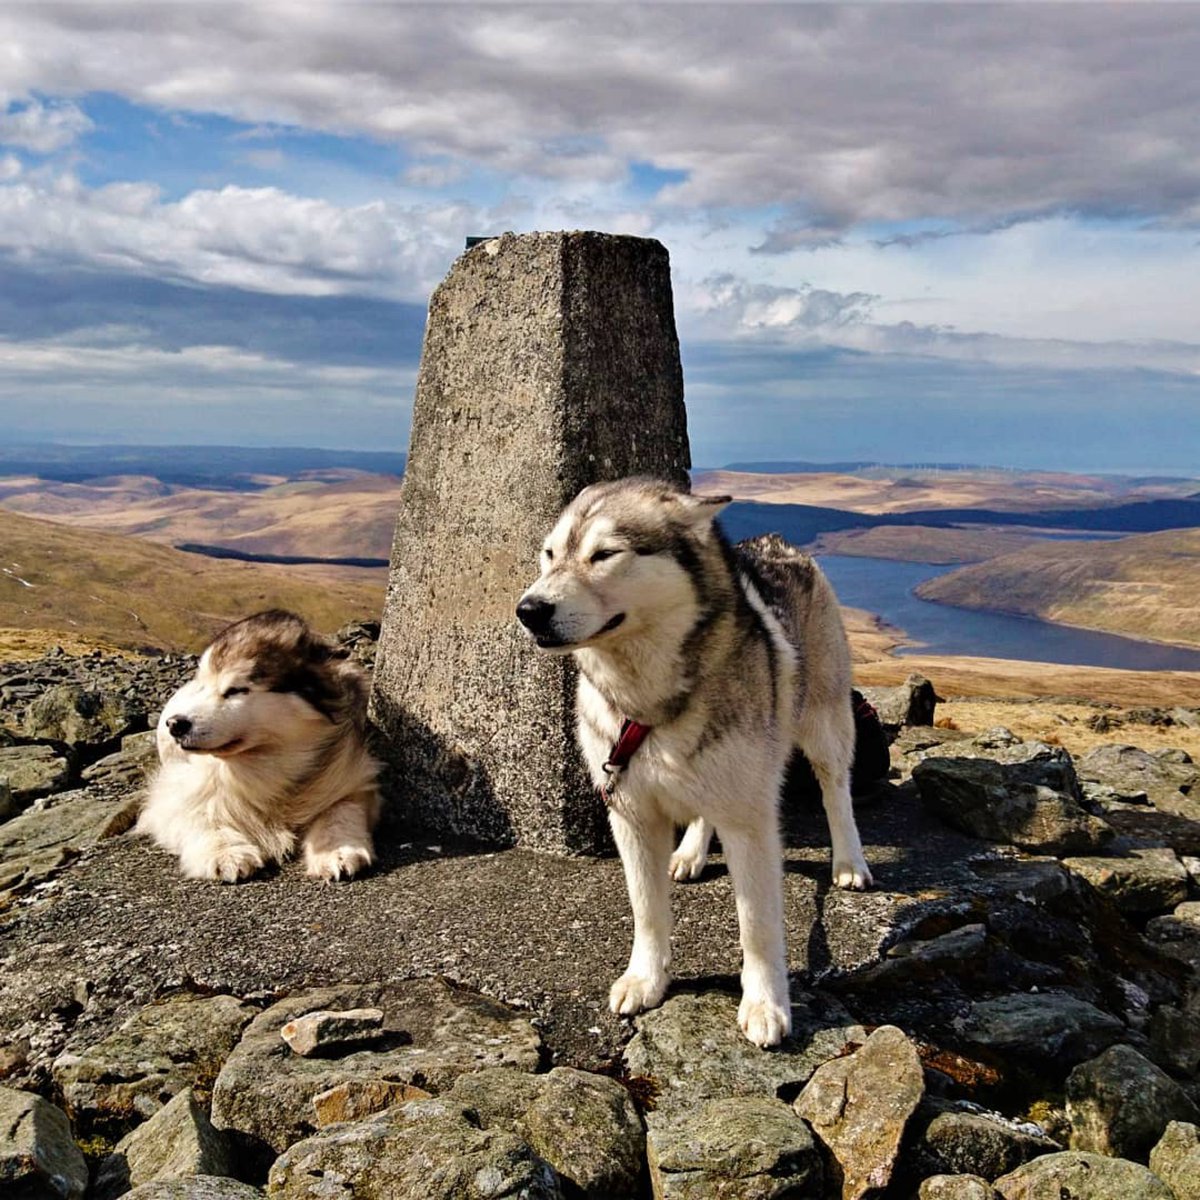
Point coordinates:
[(899, 233)]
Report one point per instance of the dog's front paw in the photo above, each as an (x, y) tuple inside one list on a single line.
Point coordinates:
[(687, 864), (852, 873), (227, 864), (634, 992), (342, 861), (763, 1019)]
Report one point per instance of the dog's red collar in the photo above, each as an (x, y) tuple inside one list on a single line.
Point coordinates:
[(632, 735)]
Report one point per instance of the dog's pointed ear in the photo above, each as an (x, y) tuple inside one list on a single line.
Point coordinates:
[(701, 510)]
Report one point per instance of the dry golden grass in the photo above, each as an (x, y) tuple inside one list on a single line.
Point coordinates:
[(1145, 586), (124, 591), (1065, 725), (963, 676)]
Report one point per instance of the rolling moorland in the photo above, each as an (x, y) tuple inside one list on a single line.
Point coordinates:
[(82, 588), (86, 543)]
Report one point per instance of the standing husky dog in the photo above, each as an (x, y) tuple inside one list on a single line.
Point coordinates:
[(264, 745), (702, 667)]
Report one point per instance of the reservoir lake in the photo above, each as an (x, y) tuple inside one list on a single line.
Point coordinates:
[(885, 588)]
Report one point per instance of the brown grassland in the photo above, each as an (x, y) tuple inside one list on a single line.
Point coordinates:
[(1145, 586), (125, 592), (349, 518)]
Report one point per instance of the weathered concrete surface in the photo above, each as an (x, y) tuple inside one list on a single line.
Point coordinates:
[(550, 362)]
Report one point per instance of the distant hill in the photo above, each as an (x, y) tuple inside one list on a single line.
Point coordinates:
[(350, 518), (235, 467), (801, 523), (1142, 586), (132, 593), (924, 544)]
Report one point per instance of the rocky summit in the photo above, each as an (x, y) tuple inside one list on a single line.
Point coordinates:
[(1013, 1011)]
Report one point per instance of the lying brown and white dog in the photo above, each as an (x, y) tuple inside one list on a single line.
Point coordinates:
[(262, 748)]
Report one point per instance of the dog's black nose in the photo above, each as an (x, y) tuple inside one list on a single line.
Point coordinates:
[(179, 727), (534, 614)]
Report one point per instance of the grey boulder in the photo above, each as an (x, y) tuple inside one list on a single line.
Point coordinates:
[(161, 1050), (956, 1187), (38, 1157), (585, 1126), (860, 1105), (957, 1139), (1119, 1103), (1176, 1160), (197, 1187), (422, 1150), (744, 1148), (1082, 1176), (176, 1142), (1043, 1027), (1145, 880), (1011, 803)]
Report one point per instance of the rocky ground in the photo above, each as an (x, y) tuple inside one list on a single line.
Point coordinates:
[(1013, 1011)]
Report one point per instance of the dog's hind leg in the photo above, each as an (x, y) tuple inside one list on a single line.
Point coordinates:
[(338, 843), (690, 858), (644, 843), (827, 739), (755, 859)]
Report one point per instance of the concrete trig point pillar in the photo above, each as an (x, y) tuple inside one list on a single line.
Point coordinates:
[(550, 362)]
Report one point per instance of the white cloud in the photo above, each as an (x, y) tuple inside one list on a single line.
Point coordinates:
[(724, 307), (836, 115), (42, 128), (262, 239)]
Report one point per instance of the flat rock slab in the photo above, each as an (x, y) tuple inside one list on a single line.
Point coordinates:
[(1176, 1160), (177, 1142), (423, 1149), (163, 1049), (1147, 880), (32, 771), (432, 1034), (38, 1157), (328, 1033), (1119, 1103), (1082, 1176), (743, 1147), (1042, 1027), (36, 845), (1130, 771), (132, 925), (585, 1126), (691, 1049), (859, 1106)]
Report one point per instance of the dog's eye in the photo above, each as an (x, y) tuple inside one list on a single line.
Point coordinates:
[(548, 553), (601, 555), (229, 693)]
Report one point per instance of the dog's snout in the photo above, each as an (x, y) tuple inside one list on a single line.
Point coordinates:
[(535, 614), (179, 727)]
